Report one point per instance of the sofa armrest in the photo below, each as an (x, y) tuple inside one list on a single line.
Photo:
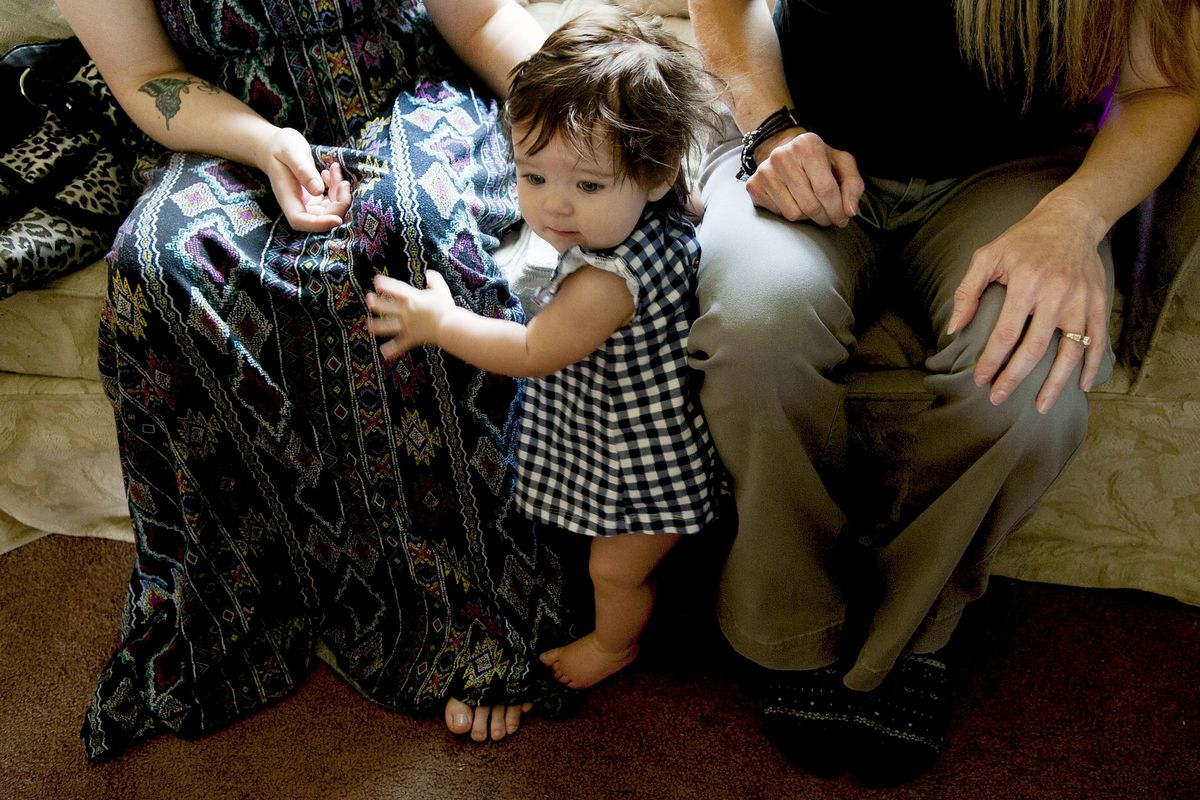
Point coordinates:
[(1167, 295)]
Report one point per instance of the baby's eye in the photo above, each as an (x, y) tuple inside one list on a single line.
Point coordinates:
[(536, 180), (590, 186)]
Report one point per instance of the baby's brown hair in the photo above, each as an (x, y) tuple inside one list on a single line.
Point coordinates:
[(611, 73)]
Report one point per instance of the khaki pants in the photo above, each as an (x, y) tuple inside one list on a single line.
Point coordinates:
[(777, 317)]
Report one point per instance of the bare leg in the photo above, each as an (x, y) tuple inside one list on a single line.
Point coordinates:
[(620, 567), (496, 721)]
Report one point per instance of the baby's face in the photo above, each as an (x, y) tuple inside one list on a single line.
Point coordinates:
[(569, 200)]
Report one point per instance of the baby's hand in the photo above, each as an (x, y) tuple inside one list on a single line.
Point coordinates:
[(405, 315)]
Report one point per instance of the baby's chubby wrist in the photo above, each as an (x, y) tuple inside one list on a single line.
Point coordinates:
[(442, 320), (438, 324)]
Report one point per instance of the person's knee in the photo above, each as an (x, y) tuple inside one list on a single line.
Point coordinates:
[(1063, 425), (758, 318)]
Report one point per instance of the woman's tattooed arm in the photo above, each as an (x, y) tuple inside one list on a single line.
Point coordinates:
[(167, 93)]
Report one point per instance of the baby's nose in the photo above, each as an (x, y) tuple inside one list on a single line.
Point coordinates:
[(558, 203)]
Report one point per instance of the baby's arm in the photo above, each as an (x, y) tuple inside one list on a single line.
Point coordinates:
[(589, 306)]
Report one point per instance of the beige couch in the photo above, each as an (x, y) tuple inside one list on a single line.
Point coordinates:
[(1124, 514)]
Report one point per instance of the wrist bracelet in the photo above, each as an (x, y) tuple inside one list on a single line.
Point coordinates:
[(780, 121)]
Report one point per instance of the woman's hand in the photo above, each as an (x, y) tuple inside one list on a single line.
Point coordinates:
[(310, 200), (1056, 281), (801, 177), (409, 317), (336, 200)]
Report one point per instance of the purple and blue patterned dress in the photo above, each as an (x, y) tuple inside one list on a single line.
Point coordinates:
[(287, 486)]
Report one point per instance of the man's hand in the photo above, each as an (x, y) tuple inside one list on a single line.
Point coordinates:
[(801, 177), (1056, 281)]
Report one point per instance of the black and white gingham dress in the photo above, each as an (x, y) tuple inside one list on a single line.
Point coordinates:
[(617, 443)]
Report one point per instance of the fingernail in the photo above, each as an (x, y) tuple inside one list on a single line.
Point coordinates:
[(998, 397), (1043, 407)]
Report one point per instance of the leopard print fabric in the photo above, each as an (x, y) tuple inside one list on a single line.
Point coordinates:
[(65, 180)]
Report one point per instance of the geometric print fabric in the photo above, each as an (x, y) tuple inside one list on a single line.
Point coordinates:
[(288, 487)]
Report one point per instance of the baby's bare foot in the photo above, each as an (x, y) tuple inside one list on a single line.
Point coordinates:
[(585, 662)]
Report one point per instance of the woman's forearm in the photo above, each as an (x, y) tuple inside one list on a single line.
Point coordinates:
[(738, 41), (1149, 127), (491, 37), (179, 110), (184, 112), (1143, 138)]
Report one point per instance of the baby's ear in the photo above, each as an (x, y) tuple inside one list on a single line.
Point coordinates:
[(659, 191)]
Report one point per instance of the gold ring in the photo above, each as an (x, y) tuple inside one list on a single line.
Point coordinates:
[(1081, 338)]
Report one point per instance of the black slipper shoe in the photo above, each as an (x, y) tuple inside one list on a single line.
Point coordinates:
[(806, 714), (899, 728)]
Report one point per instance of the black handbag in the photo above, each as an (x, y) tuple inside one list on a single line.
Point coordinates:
[(66, 161)]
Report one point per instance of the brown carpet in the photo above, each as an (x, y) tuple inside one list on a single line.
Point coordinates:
[(1063, 693)]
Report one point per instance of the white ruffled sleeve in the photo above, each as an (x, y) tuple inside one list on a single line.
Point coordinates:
[(575, 258)]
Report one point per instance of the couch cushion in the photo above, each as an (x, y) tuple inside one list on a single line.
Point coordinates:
[(30, 21), (52, 331), (59, 470)]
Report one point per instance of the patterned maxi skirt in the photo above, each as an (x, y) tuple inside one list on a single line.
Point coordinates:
[(288, 488)]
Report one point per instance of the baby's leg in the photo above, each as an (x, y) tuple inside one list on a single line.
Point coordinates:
[(620, 567)]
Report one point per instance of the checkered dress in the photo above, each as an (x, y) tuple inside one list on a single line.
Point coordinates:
[(617, 443)]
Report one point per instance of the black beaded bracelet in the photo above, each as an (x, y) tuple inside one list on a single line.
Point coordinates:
[(780, 121)]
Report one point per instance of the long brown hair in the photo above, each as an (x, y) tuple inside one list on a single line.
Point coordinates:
[(611, 74), (1077, 44)]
